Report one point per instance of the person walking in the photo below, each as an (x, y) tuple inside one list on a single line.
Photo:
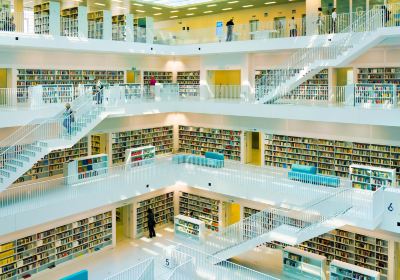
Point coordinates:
[(151, 223), (153, 83), (319, 23), (229, 26), (334, 19), (293, 28), (68, 118), (98, 90)]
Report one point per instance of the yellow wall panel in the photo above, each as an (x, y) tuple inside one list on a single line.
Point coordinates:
[(224, 77), (3, 78)]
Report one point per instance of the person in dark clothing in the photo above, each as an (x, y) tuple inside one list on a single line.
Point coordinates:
[(229, 26), (151, 223), (385, 14)]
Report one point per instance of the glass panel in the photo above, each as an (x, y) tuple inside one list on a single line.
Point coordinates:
[(359, 5), (327, 6), (377, 3)]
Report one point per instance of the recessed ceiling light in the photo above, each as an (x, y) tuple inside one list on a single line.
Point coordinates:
[(157, 14), (140, 11), (121, 8), (191, 14), (99, 4), (156, 8), (174, 11), (137, 4), (226, 9), (212, 5), (173, 16), (207, 12), (269, 3), (247, 6), (117, 1), (232, 2), (192, 8)]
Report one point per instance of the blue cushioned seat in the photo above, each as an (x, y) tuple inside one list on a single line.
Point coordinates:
[(304, 169), (80, 275)]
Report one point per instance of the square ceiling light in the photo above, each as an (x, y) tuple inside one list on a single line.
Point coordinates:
[(174, 3)]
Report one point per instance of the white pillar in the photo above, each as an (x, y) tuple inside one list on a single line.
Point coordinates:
[(129, 28), (82, 21), (107, 25), (54, 18), (312, 15)]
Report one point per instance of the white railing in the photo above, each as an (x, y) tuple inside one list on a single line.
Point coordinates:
[(15, 22), (212, 267), (69, 27), (42, 23), (14, 97), (118, 32), (141, 271)]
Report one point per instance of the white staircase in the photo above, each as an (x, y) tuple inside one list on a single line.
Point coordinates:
[(290, 227), (22, 149), (338, 50)]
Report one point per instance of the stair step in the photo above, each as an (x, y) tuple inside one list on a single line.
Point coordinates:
[(4, 173), (28, 153), (15, 162), (9, 168), (23, 158), (33, 148)]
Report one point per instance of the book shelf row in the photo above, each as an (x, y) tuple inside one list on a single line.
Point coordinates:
[(189, 82), (53, 163), (33, 77), (161, 77), (198, 140), (331, 157), (163, 209), (159, 137), (31, 254), (349, 247), (201, 208)]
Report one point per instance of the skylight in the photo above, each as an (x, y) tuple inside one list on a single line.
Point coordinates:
[(174, 3)]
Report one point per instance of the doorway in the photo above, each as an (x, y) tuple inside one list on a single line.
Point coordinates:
[(344, 76), (124, 225), (253, 147), (231, 213), (99, 143), (280, 26), (224, 84), (133, 77)]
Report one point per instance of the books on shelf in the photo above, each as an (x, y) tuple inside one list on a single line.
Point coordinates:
[(31, 254), (33, 77), (53, 163), (84, 168), (201, 208), (331, 157), (163, 209), (140, 156), (96, 22), (199, 140), (189, 82), (159, 137), (303, 265), (162, 77), (371, 178), (341, 270), (189, 227), (41, 16)]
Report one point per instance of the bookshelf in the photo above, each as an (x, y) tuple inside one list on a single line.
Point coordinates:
[(70, 21), (375, 95), (57, 93), (33, 77), (371, 178), (159, 137), (95, 24), (161, 77), (303, 265), (143, 30), (340, 270), (140, 156), (381, 75), (131, 91), (198, 140), (331, 157), (352, 248), (42, 18), (53, 163), (84, 168), (188, 227), (163, 209), (201, 208), (31, 254), (189, 82), (122, 27), (95, 145)]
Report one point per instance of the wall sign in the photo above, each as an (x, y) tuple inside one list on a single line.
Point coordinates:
[(219, 29)]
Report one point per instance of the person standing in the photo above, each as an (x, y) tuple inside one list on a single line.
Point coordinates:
[(153, 82), (334, 19), (229, 26), (151, 223), (319, 23), (293, 28), (98, 91), (68, 118)]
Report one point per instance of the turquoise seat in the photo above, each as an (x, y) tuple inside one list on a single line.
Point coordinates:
[(329, 181), (304, 169), (199, 160), (80, 275)]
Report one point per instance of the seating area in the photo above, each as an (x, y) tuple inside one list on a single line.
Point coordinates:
[(308, 174), (210, 159)]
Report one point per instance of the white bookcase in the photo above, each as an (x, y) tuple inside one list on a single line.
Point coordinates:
[(189, 82), (371, 178), (74, 22), (188, 227), (87, 167), (303, 265), (140, 156), (122, 27), (131, 91), (100, 25), (47, 18), (163, 209), (162, 77), (341, 271), (31, 254)]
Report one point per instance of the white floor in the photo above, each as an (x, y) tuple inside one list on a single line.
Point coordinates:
[(129, 252)]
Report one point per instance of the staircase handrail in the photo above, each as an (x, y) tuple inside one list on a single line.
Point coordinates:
[(27, 130)]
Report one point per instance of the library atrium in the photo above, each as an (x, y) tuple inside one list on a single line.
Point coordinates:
[(200, 139)]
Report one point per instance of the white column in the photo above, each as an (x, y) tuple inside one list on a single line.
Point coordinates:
[(54, 18), (129, 28), (19, 19), (312, 15), (149, 30), (82, 21), (107, 25)]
